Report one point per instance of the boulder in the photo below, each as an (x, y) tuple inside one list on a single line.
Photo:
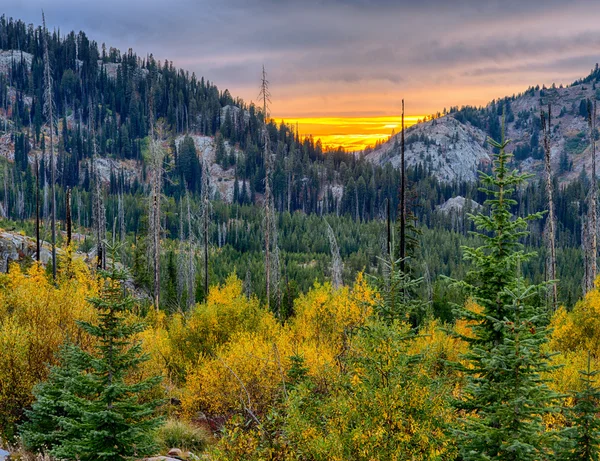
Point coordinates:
[(160, 458), (175, 452)]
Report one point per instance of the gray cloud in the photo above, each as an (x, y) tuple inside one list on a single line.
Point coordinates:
[(340, 48)]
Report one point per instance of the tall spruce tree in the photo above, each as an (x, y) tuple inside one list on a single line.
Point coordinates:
[(89, 408), (505, 397)]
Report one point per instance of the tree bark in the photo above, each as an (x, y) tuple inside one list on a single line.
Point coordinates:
[(402, 198), (551, 273)]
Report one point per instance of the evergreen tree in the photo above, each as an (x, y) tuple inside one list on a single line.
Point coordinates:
[(98, 414), (58, 401), (583, 437), (505, 397)]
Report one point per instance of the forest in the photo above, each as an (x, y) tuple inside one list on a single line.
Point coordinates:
[(201, 279)]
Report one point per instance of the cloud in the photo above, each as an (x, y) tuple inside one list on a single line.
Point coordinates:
[(347, 55)]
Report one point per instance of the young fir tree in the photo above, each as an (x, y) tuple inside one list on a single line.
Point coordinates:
[(58, 400), (505, 397), (582, 441), (99, 413)]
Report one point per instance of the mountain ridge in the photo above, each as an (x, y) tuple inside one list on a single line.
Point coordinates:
[(570, 143)]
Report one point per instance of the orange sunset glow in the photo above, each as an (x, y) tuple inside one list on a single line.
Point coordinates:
[(352, 133)]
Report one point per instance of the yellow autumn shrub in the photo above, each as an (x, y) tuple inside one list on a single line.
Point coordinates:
[(226, 312), (378, 407), (325, 316), (437, 346), (246, 375), (246, 368), (578, 330), (36, 318)]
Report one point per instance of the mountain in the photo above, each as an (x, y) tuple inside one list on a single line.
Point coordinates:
[(452, 151), (452, 146)]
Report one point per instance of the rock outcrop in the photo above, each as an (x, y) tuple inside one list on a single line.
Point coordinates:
[(457, 205), (450, 150), (16, 247)]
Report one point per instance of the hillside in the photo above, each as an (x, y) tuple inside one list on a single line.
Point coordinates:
[(452, 146), (450, 150)]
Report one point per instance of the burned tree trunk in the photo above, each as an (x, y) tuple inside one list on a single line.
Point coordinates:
[(266, 97), (98, 210), (205, 217), (402, 198), (337, 265), (37, 209), (68, 213), (156, 165), (593, 226), (551, 273), (48, 109)]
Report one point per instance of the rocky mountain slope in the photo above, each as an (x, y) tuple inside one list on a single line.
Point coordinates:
[(451, 150), (453, 146)]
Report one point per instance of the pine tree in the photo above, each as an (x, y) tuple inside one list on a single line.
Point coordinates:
[(505, 397), (98, 413)]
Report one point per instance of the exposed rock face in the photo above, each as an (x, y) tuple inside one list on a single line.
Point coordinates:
[(451, 150), (15, 247), (457, 204), (222, 181), (235, 113), (111, 69), (131, 169), (7, 57)]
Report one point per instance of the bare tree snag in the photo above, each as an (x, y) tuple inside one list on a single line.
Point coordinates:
[(551, 273)]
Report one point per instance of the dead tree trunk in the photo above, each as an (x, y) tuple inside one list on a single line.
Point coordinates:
[(266, 97), (48, 106), (402, 198), (389, 229), (191, 272), (593, 227), (98, 211), (68, 213), (37, 208), (205, 218), (551, 273), (156, 164), (337, 265)]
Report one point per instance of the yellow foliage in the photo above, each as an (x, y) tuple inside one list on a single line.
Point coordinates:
[(157, 344), (325, 316), (578, 330), (436, 346), (36, 318), (462, 326), (245, 352), (246, 375), (226, 312)]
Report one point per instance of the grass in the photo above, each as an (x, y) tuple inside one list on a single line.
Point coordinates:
[(183, 435)]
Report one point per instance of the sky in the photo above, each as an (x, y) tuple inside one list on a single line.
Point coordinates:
[(341, 67)]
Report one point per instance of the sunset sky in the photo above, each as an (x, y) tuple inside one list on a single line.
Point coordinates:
[(342, 66)]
